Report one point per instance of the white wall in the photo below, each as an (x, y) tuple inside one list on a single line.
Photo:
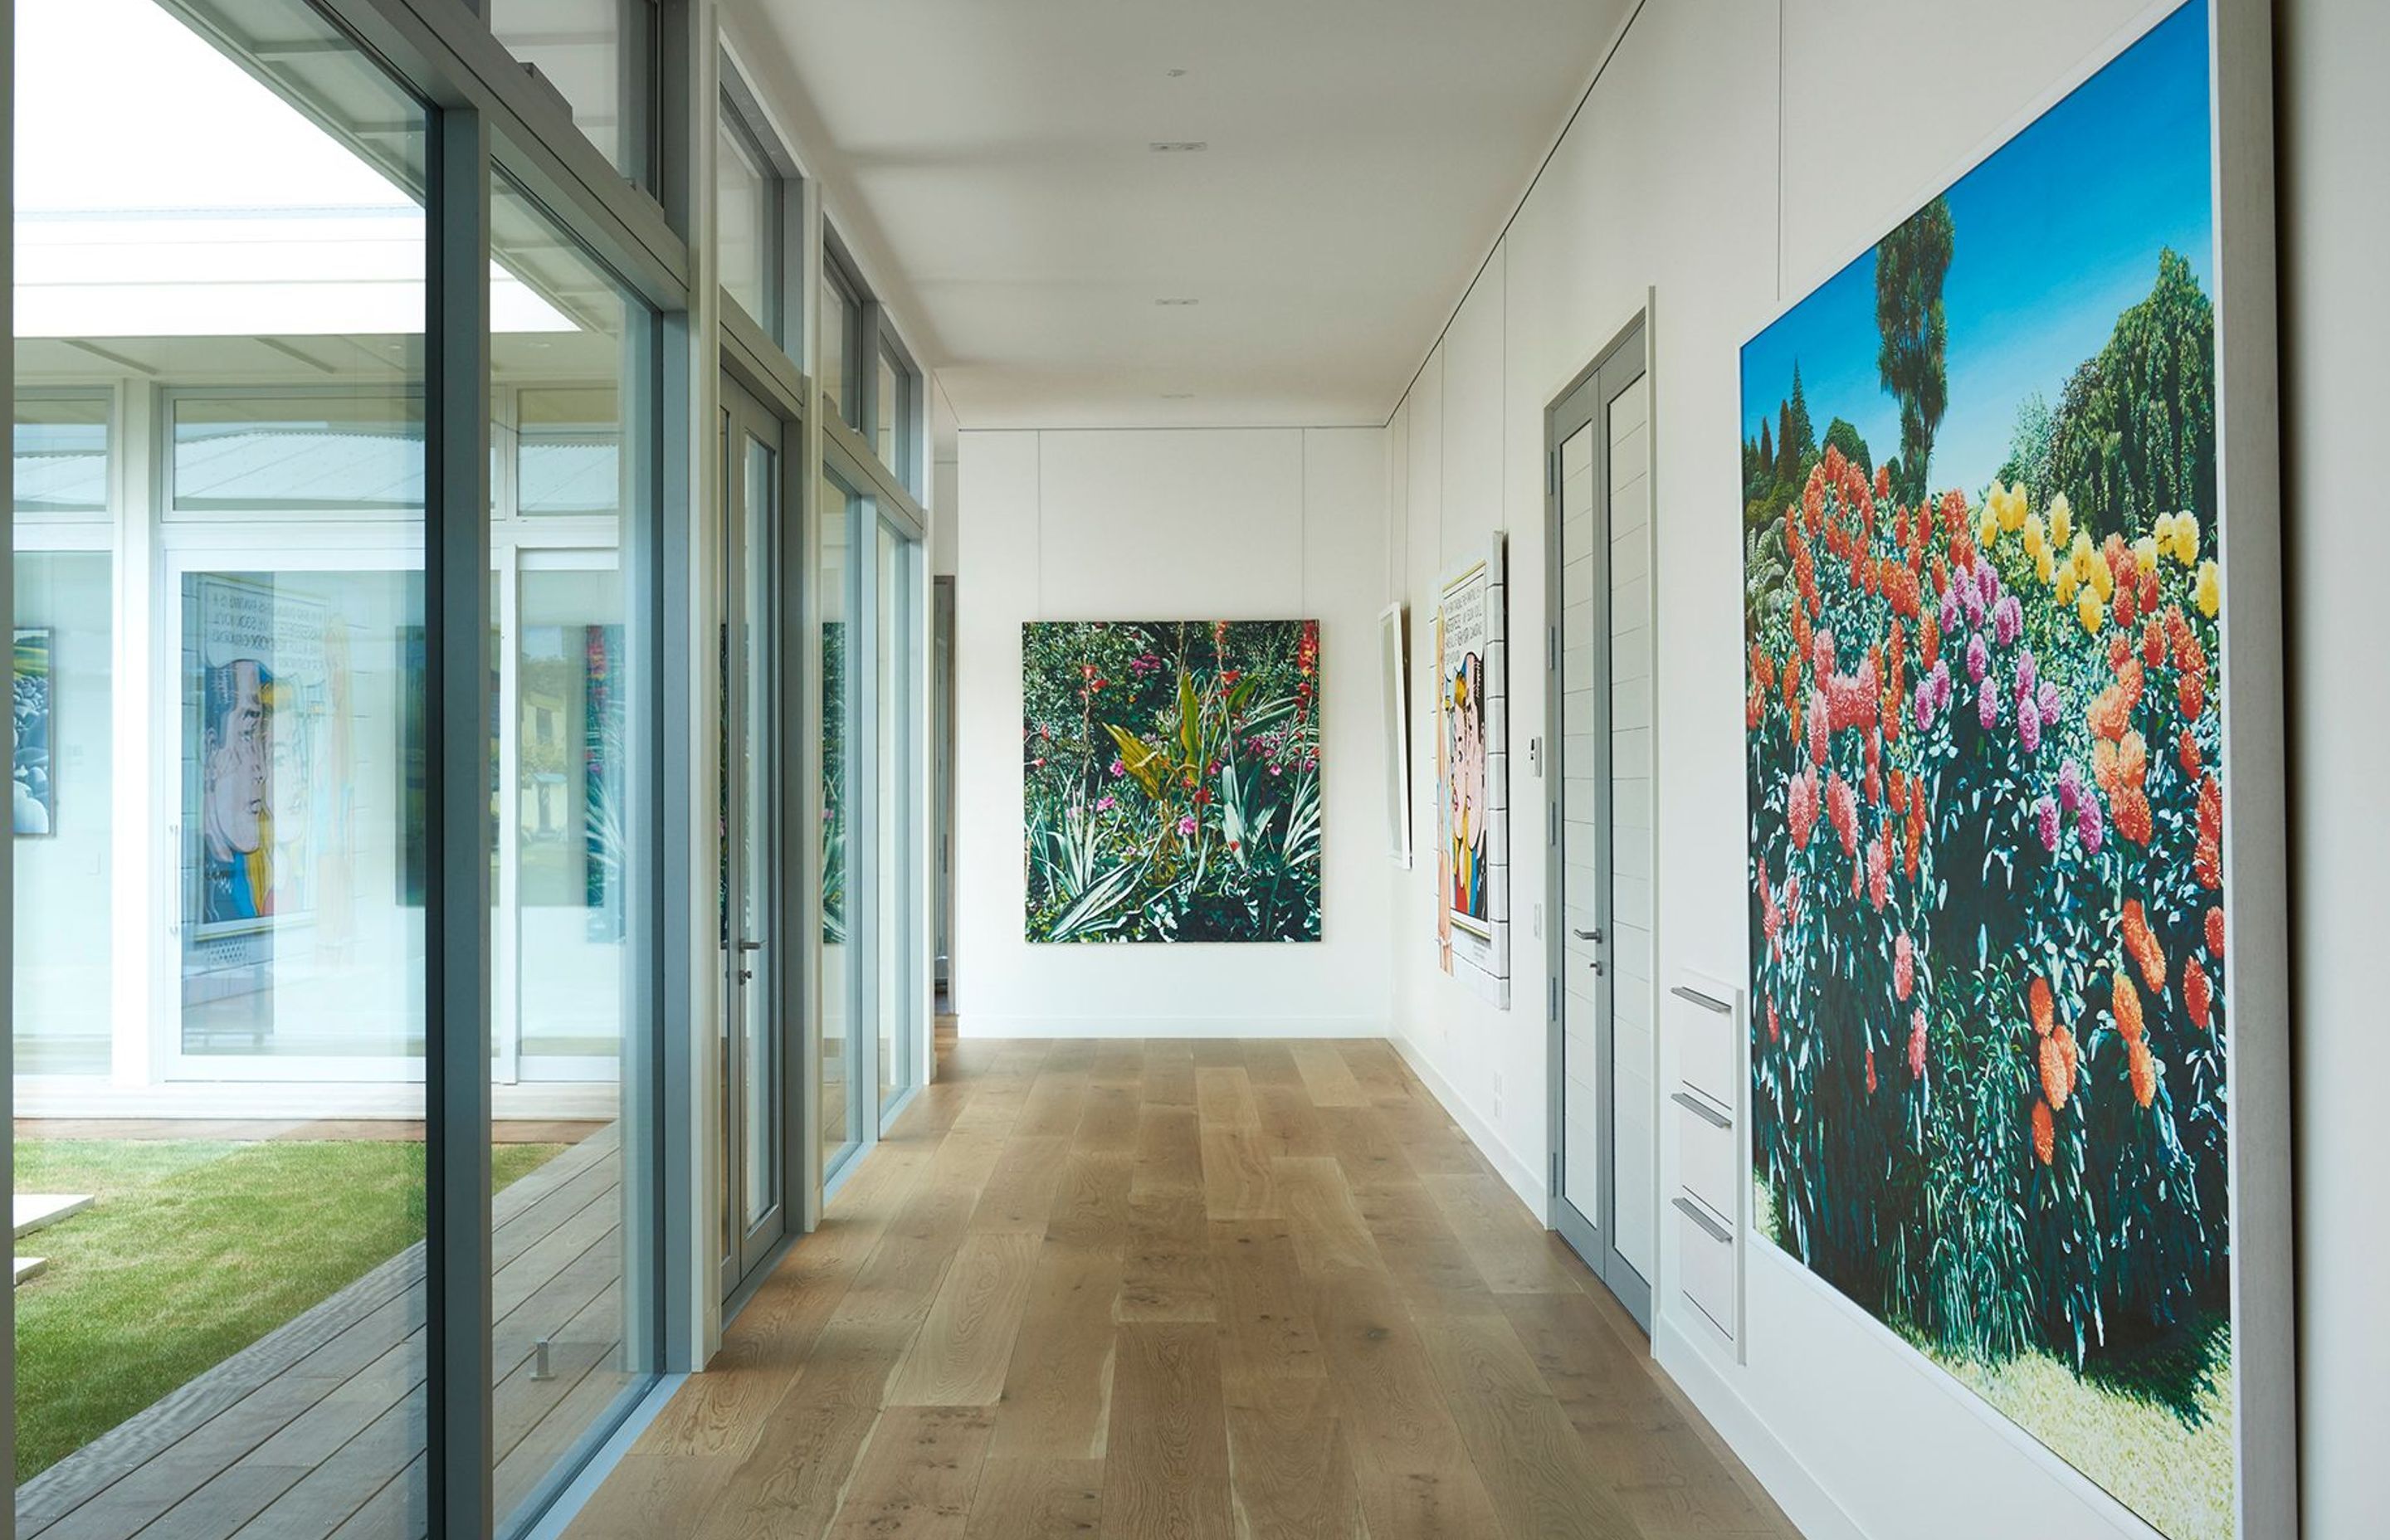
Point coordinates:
[(2334, 220), (1206, 525), (1730, 173)]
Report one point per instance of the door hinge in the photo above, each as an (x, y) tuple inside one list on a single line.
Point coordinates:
[(1556, 1174), (1551, 473)]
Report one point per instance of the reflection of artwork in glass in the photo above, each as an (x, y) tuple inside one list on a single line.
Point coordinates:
[(1172, 780), (602, 781), (833, 736), (35, 793), (269, 677), (1985, 628)]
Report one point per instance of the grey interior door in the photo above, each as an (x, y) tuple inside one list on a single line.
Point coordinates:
[(1599, 821), (754, 1022)]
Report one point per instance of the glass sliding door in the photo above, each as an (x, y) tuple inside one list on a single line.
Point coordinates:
[(218, 782), (756, 976), (574, 1240)]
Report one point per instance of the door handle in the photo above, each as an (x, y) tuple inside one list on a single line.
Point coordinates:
[(1585, 935), (751, 946), (1597, 965)]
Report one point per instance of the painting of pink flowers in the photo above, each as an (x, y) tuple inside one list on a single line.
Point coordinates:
[(1983, 720), (1171, 780)]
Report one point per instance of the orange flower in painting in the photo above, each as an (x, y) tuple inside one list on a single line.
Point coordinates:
[(2216, 933), (2064, 1037), (2112, 709), (2141, 945), (2045, 1134), (2141, 1067), (2207, 856), (2126, 1001), (2186, 749), (2057, 1083), (1762, 671), (2153, 643), (2038, 1002), (2190, 693), (2197, 997)]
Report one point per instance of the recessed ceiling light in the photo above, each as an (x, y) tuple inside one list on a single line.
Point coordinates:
[(1174, 74), (1177, 395), (1178, 147), (1177, 299)]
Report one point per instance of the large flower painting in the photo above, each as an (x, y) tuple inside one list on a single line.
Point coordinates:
[(1984, 723), (1171, 780)]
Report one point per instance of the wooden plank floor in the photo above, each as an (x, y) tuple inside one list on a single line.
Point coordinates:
[(1145, 1290), (317, 1427)]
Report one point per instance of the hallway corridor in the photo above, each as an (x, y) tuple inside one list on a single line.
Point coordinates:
[(1170, 1288)]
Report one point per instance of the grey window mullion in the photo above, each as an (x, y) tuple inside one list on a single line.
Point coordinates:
[(456, 895), (661, 554)]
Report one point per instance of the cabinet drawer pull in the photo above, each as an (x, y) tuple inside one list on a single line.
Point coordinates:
[(1695, 1212), (1702, 1110), (1684, 992)]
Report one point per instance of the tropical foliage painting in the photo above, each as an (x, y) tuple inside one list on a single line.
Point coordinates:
[(1171, 776), (1985, 724)]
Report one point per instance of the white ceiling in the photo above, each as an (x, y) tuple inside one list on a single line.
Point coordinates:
[(1363, 155)]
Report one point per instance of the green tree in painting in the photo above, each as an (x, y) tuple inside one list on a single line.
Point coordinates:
[(1910, 263), (1841, 434), (2135, 432)]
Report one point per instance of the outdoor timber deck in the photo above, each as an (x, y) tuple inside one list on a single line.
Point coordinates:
[(316, 1428)]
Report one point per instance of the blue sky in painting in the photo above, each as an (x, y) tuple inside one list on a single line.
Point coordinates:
[(2053, 235)]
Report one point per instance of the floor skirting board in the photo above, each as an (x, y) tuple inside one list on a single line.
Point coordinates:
[(979, 1024), (1806, 1503), (1523, 1173)]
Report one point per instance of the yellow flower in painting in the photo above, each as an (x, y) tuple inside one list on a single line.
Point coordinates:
[(2186, 538), (2067, 583), (2014, 508), (2081, 555), (2033, 545), (1988, 527), (2062, 520), (2145, 554), (2210, 591), (2043, 565), (2103, 579), (2088, 607)]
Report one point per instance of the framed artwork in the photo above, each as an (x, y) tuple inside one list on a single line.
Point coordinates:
[(2010, 613), (34, 795), (1394, 701), (1171, 780), (1472, 777)]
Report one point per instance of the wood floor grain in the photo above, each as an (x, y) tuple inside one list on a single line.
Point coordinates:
[(1149, 1289)]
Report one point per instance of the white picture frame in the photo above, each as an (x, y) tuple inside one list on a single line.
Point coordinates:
[(1394, 698), (1472, 764)]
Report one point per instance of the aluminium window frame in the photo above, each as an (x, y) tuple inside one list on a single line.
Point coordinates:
[(481, 108)]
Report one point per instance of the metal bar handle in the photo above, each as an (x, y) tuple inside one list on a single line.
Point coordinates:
[(1702, 1110), (1685, 992), (1700, 1216)]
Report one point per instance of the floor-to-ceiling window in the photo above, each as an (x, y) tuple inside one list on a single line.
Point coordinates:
[(574, 1327), (835, 510), (219, 999)]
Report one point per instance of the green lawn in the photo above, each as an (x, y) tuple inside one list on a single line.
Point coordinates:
[(196, 1249)]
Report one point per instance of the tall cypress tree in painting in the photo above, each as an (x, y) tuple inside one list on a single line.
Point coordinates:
[(1910, 263)]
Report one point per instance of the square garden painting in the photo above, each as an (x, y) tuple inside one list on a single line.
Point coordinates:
[(1170, 774), (1984, 713)]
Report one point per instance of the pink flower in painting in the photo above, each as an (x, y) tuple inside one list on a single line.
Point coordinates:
[(1119, 769), (2045, 818), (1879, 872), (1106, 803), (1801, 807), (1904, 967), (1916, 1044), (1843, 810), (1987, 705), (1187, 825), (1979, 658)]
